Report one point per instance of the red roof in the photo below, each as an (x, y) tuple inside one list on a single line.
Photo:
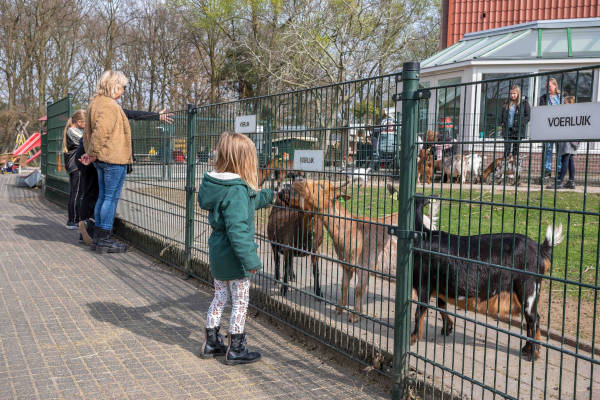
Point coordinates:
[(465, 16)]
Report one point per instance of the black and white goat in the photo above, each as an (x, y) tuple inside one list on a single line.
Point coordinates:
[(455, 269)]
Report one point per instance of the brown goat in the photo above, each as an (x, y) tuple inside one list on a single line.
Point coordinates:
[(358, 241), (293, 233)]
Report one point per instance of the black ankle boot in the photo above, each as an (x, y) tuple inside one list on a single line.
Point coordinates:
[(237, 353), (104, 244), (213, 345), (569, 185), (97, 235)]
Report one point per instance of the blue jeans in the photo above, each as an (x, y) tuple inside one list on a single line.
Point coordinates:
[(110, 182), (548, 148)]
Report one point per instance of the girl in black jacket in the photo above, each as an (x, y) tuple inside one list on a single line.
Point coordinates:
[(515, 117), (71, 138)]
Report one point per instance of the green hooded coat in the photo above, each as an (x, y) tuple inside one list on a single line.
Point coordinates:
[(231, 204)]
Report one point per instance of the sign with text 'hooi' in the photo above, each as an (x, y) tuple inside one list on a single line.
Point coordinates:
[(309, 160), (245, 124), (565, 121)]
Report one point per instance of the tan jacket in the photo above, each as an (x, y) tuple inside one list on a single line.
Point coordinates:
[(107, 134)]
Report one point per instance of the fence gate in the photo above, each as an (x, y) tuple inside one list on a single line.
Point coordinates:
[(505, 286)]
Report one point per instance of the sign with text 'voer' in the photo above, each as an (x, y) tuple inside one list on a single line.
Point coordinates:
[(566, 121), (309, 160), (245, 124)]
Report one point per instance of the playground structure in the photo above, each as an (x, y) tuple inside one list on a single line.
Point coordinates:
[(26, 150)]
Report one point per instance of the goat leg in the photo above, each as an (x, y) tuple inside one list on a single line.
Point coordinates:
[(447, 324), (290, 266), (276, 257), (361, 286), (315, 268), (347, 275), (531, 350), (286, 262)]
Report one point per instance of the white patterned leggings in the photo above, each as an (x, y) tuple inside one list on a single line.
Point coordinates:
[(240, 294)]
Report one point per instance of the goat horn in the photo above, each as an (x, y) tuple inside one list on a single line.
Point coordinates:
[(341, 185)]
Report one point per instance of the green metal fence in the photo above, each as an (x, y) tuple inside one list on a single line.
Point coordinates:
[(351, 282), (56, 179)]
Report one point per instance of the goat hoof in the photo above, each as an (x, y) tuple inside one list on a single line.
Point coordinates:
[(283, 290), (446, 330), (318, 292), (353, 318), (530, 352)]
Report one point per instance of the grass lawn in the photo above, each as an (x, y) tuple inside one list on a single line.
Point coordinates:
[(472, 212)]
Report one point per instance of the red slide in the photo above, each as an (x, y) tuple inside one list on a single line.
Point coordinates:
[(33, 157), (31, 143)]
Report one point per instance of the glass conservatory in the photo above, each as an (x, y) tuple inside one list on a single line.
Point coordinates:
[(471, 111)]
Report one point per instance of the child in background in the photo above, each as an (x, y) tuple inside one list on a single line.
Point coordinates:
[(230, 195), (71, 138), (566, 151)]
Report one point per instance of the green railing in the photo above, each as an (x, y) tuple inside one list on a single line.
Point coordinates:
[(364, 239)]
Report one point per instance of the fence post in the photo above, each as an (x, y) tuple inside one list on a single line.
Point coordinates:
[(406, 221), (44, 146), (190, 186)]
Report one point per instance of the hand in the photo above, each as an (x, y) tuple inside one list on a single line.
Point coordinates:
[(87, 159), (165, 117), (253, 271)]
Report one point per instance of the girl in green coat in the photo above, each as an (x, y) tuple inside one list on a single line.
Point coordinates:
[(230, 195)]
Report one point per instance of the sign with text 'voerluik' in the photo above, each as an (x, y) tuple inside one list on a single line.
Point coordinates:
[(565, 121), (245, 124), (309, 160)]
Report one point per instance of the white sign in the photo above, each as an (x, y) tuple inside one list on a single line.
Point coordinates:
[(309, 160), (245, 124), (566, 121)]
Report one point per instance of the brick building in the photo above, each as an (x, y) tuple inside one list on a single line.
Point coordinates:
[(466, 16)]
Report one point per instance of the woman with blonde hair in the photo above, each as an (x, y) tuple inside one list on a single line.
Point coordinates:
[(107, 143), (515, 117), (71, 138), (552, 97), (229, 194)]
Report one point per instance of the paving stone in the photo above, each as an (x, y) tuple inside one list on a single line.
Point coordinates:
[(76, 324)]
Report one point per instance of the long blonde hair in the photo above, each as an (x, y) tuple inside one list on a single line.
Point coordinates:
[(78, 115), (110, 82), (236, 153), (552, 80), (514, 88)]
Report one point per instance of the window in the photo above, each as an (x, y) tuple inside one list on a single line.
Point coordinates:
[(579, 84), (423, 110), (494, 95), (448, 106)]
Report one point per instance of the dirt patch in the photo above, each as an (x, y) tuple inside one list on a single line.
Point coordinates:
[(579, 320)]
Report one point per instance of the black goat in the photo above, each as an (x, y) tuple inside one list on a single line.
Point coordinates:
[(293, 233), (445, 266)]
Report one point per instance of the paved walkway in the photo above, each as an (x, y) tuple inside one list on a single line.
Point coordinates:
[(74, 325)]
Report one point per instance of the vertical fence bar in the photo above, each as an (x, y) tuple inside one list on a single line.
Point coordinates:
[(406, 222), (190, 186), (44, 144)]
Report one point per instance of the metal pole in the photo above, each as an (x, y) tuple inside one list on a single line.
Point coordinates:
[(190, 186), (406, 222)]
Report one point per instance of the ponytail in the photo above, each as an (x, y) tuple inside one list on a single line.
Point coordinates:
[(67, 127), (78, 115)]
